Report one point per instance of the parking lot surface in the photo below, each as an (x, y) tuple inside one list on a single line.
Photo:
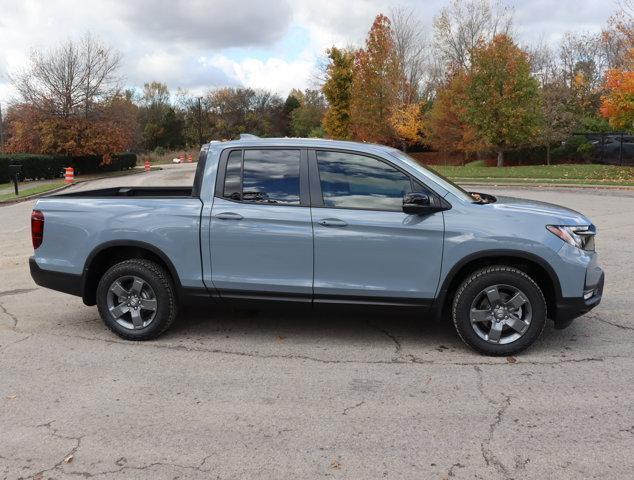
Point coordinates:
[(236, 395)]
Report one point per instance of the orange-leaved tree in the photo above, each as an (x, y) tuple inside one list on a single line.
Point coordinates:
[(445, 126), (407, 122), (617, 105), (375, 85)]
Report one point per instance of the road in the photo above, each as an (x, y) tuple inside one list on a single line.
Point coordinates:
[(287, 396)]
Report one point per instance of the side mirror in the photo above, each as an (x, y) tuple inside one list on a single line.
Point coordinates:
[(417, 203)]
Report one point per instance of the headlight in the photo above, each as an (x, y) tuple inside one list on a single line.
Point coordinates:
[(579, 236)]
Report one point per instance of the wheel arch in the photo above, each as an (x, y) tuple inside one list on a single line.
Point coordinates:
[(531, 264), (109, 253)]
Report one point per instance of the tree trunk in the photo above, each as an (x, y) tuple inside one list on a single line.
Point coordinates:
[(500, 158), (548, 154)]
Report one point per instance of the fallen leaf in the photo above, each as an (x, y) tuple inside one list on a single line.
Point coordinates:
[(12, 397), (69, 458), (335, 464), (511, 359), (280, 338)]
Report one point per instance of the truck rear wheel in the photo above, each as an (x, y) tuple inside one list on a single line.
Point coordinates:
[(499, 310), (136, 299)]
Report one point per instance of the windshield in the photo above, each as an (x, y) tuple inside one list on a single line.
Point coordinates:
[(440, 179)]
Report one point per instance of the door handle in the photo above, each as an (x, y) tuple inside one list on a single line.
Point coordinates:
[(332, 222), (229, 216)]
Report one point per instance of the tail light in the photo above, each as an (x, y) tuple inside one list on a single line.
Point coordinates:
[(37, 228)]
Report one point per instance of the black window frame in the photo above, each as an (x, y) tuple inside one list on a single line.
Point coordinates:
[(316, 194), (304, 190)]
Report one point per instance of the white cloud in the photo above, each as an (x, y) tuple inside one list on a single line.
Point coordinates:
[(273, 74), (193, 43)]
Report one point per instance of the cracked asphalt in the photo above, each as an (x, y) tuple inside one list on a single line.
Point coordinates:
[(234, 395)]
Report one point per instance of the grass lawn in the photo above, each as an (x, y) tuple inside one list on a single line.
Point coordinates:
[(25, 192), (589, 174)]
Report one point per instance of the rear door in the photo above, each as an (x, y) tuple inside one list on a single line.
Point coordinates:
[(365, 246), (261, 231)]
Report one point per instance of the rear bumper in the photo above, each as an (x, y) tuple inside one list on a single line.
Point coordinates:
[(570, 308), (62, 282)]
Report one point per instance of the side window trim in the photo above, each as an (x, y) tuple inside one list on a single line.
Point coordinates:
[(304, 189), (316, 195)]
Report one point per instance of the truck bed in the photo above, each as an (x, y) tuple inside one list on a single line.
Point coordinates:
[(145, 192)]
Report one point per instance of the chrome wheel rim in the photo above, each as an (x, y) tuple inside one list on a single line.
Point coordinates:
[(500, 314), (131, 302)]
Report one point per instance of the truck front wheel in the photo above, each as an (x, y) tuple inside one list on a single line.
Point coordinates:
[(499, 310), (136, 299)]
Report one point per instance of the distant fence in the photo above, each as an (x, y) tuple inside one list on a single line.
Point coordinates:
[(614, 148)]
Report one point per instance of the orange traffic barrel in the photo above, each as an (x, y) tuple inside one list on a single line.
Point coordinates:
[(69, 176), (189, 158), (147, 165)]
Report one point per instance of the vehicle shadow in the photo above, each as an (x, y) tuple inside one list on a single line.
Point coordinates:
[(326, 324), (390, 332)]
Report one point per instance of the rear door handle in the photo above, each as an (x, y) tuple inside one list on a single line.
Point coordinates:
[(229, 216), (332, 222)]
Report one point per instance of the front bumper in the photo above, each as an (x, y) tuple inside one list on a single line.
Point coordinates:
[(62, 282), (567, 309)]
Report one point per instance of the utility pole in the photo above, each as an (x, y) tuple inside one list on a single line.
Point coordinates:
[(200, 121), (1, 132)]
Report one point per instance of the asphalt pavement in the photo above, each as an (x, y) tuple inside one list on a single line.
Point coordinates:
[(269, 395)]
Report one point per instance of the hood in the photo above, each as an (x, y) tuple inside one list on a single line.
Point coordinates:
[(555, 214)]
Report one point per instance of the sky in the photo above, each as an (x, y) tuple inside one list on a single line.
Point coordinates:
[(271, 44)]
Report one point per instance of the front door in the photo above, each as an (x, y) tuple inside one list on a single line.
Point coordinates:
[(365, 246), (261, 232)]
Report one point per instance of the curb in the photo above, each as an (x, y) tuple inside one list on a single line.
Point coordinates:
[(545, 185), (13, 201)]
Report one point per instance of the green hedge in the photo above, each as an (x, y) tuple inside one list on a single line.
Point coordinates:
[(35, 167)]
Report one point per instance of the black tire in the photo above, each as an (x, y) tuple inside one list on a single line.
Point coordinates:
[(504, 277), (161, 287)]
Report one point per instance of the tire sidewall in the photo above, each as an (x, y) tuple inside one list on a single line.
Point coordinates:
[(486, 278), (162, 291)]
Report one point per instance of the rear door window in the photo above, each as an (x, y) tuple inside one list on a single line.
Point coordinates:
[(264, 176)]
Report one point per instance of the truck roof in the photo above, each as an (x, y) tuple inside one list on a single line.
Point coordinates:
[(253, 141)]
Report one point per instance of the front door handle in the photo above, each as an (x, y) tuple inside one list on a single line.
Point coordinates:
[(229, 216), (332, 222)]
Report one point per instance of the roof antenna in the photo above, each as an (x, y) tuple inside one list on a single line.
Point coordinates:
[(248, 136)]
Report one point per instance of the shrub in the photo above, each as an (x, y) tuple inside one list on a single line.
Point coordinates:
[(36, 167), (577, 147)]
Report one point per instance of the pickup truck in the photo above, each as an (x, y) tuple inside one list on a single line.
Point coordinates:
[(319, 222)]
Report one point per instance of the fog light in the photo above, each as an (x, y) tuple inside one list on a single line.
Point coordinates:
[(588, 294)]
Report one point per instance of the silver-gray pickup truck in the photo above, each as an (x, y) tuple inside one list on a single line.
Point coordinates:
[(319, 222)]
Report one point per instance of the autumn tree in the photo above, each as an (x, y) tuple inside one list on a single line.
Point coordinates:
[(407, 122), (375, 85), (306, 119), (502, 99), (243, 110), (617, 105), (558, 119), (338, 91), (162, 125), (69, 102), (445, 125)]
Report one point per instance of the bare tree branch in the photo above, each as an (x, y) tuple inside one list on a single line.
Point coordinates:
[(71, 79)]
